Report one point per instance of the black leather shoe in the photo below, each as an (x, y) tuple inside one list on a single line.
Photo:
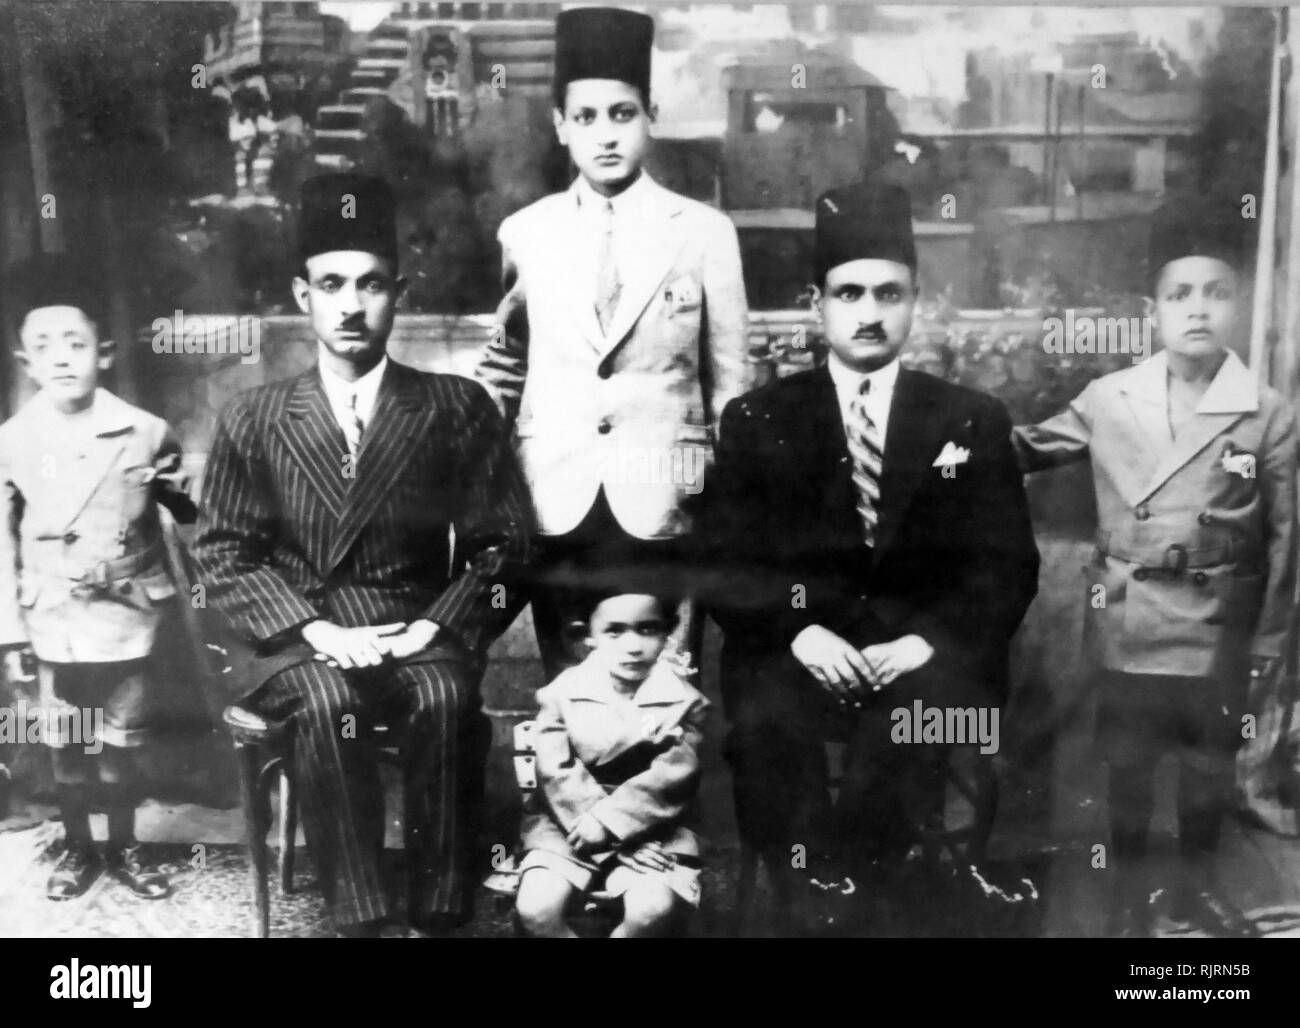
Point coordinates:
[(124, 865), (1213, 913), (75, 872)]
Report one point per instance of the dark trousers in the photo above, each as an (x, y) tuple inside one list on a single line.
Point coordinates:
[(573, 555), (433, 710), (781, 719), (1140, 719)]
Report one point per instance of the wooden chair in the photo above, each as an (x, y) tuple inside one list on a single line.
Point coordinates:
[(264, 751)]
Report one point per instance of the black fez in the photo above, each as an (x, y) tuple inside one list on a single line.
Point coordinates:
[(55, 280), (347, 212), (864, 221), (1199, 225), (602, 43), (616, 568)]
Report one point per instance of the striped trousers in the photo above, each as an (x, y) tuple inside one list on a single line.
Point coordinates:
[(433, 710)]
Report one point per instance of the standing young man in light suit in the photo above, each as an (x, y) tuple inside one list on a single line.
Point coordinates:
[(1191, 590), (324, 541), (622, 334)]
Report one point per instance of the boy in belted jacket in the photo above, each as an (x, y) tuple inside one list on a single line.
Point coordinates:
[(84, 581), (623, 331), (1190, 592)]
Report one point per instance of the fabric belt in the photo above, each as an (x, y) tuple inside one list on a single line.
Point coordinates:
[(1176, 557), (104, 573)]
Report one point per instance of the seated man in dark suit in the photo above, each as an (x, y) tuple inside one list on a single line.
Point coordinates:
[(871, 529), (324, 540)]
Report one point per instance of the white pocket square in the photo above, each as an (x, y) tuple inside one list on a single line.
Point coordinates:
[(683, 293), (951, 454)]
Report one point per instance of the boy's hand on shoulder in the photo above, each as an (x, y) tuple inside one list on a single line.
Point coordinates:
[(589, 834)]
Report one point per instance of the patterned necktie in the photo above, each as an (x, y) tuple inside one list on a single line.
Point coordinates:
[(608, 284), (864, 447), (353, 427)]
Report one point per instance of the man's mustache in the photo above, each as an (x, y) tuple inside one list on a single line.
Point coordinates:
[(876, 332)]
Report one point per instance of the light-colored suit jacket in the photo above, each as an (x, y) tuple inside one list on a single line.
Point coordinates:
[(1196, 548), (83, 570), (633, 765), (634, 408)]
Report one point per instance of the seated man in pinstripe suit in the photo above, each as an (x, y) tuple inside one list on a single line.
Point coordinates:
[(324, 542)]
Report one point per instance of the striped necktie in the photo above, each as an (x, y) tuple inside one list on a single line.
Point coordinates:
[(608, 285), (353, 427), (864, 448)]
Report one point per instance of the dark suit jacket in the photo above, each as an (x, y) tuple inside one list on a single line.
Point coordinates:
[(285, 537), (954, 560)]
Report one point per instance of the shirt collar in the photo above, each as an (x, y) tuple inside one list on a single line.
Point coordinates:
[(1233, 390), (108, 414), (366, 387), (662, 686), (848, 382), (635, 195)]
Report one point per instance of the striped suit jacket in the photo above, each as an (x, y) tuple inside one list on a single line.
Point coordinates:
[(287, 534)]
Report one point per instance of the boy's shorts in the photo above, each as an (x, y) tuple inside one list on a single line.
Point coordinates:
[(613, 878), (90, 705), (1140, 717)]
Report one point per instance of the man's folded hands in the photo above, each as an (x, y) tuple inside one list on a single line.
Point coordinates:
[(367, 645)]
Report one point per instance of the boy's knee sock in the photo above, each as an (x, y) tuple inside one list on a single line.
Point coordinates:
[(74, 810), (1131, 799), (1203, 797), (117, 775), (75, 780)]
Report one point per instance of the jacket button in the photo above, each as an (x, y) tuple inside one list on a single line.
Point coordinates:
[(70, 537), (1142, 513), (1205, 517), (1140, 575), (1200, 578), (604, 427)]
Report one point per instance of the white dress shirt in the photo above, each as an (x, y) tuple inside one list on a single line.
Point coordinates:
[(339, 392), (879, 397), (627, 216)]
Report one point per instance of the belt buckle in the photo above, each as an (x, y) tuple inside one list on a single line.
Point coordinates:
[(95, 580), (1179, 555)]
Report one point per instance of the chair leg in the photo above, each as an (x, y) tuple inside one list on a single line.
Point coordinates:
[(288, 829), (256, 818)]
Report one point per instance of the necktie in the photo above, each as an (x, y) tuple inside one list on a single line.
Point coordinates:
[(608, 285), (864, 448), (353, 427)]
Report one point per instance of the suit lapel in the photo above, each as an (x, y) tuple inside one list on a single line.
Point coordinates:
[(1145, 394), (830, 469), (916, 424), (568, 242), (395, 430), (112, 427), (315, 440), (1231, 396), (659, 247)]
